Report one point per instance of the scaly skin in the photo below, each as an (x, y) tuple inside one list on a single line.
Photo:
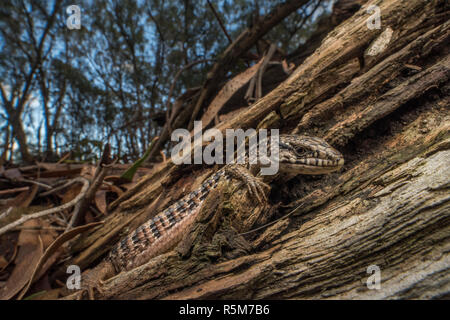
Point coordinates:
[(297, 155)]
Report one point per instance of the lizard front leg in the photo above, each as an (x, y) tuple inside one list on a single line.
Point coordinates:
[(255, 186)]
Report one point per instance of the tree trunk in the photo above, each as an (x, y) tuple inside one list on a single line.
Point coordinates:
[(21, 137), (380, 96)]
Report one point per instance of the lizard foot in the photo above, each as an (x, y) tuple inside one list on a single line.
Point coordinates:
[(255, 186), (92, 281), (90, 286)]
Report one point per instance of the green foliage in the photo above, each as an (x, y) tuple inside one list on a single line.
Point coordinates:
[(129, 174)]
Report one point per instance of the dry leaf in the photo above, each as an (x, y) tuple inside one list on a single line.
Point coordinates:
[(117, 190), (12, 174), (29, 197), (30, 250), (53, 248), (3, 263), (23, 199), (100, 201), (71, 193), (128, 186)]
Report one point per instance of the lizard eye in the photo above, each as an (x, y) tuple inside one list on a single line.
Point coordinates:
[(301, 150)]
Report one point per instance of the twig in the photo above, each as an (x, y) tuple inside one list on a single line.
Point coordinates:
[(38, 228), (254, 90), (68, 154), (5, 213), (60, 222), (56, 189), (40, 184), (15, 190), (287, 215), (100, 174), (169, 117), (95, 211), (261, 70), (220, 21), (39, 214), (163, 155)]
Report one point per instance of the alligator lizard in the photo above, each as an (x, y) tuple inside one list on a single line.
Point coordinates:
[(297, 155)]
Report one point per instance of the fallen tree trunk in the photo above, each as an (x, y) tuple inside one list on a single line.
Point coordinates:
[(388, 114), (391, 212)]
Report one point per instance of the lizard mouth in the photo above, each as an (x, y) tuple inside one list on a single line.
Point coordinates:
[(312, 165), (312, 161)]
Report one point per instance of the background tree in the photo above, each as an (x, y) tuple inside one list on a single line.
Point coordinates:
[(73, 90)]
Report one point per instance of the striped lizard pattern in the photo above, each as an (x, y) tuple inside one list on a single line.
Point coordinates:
[(162, 232), (297, 155)]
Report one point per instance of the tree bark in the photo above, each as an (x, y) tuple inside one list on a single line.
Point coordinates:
[(21, 137), (389, 208)]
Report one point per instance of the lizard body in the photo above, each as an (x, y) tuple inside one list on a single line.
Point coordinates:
[(297, 155)]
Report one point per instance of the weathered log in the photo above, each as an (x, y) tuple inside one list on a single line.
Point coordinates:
[(392, 211), (389, 116)]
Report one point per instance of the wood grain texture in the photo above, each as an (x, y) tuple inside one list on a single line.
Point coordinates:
[(389, 207)]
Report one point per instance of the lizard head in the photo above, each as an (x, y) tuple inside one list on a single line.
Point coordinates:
[(308, 155)]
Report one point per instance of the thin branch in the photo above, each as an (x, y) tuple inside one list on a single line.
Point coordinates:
[(15, 190), (169, 116), (220, 21), (39, 214), (40, 184), (56, 189), (5, 213), (100, 173)]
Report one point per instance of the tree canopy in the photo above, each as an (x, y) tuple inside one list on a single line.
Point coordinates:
[(74, 89)]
